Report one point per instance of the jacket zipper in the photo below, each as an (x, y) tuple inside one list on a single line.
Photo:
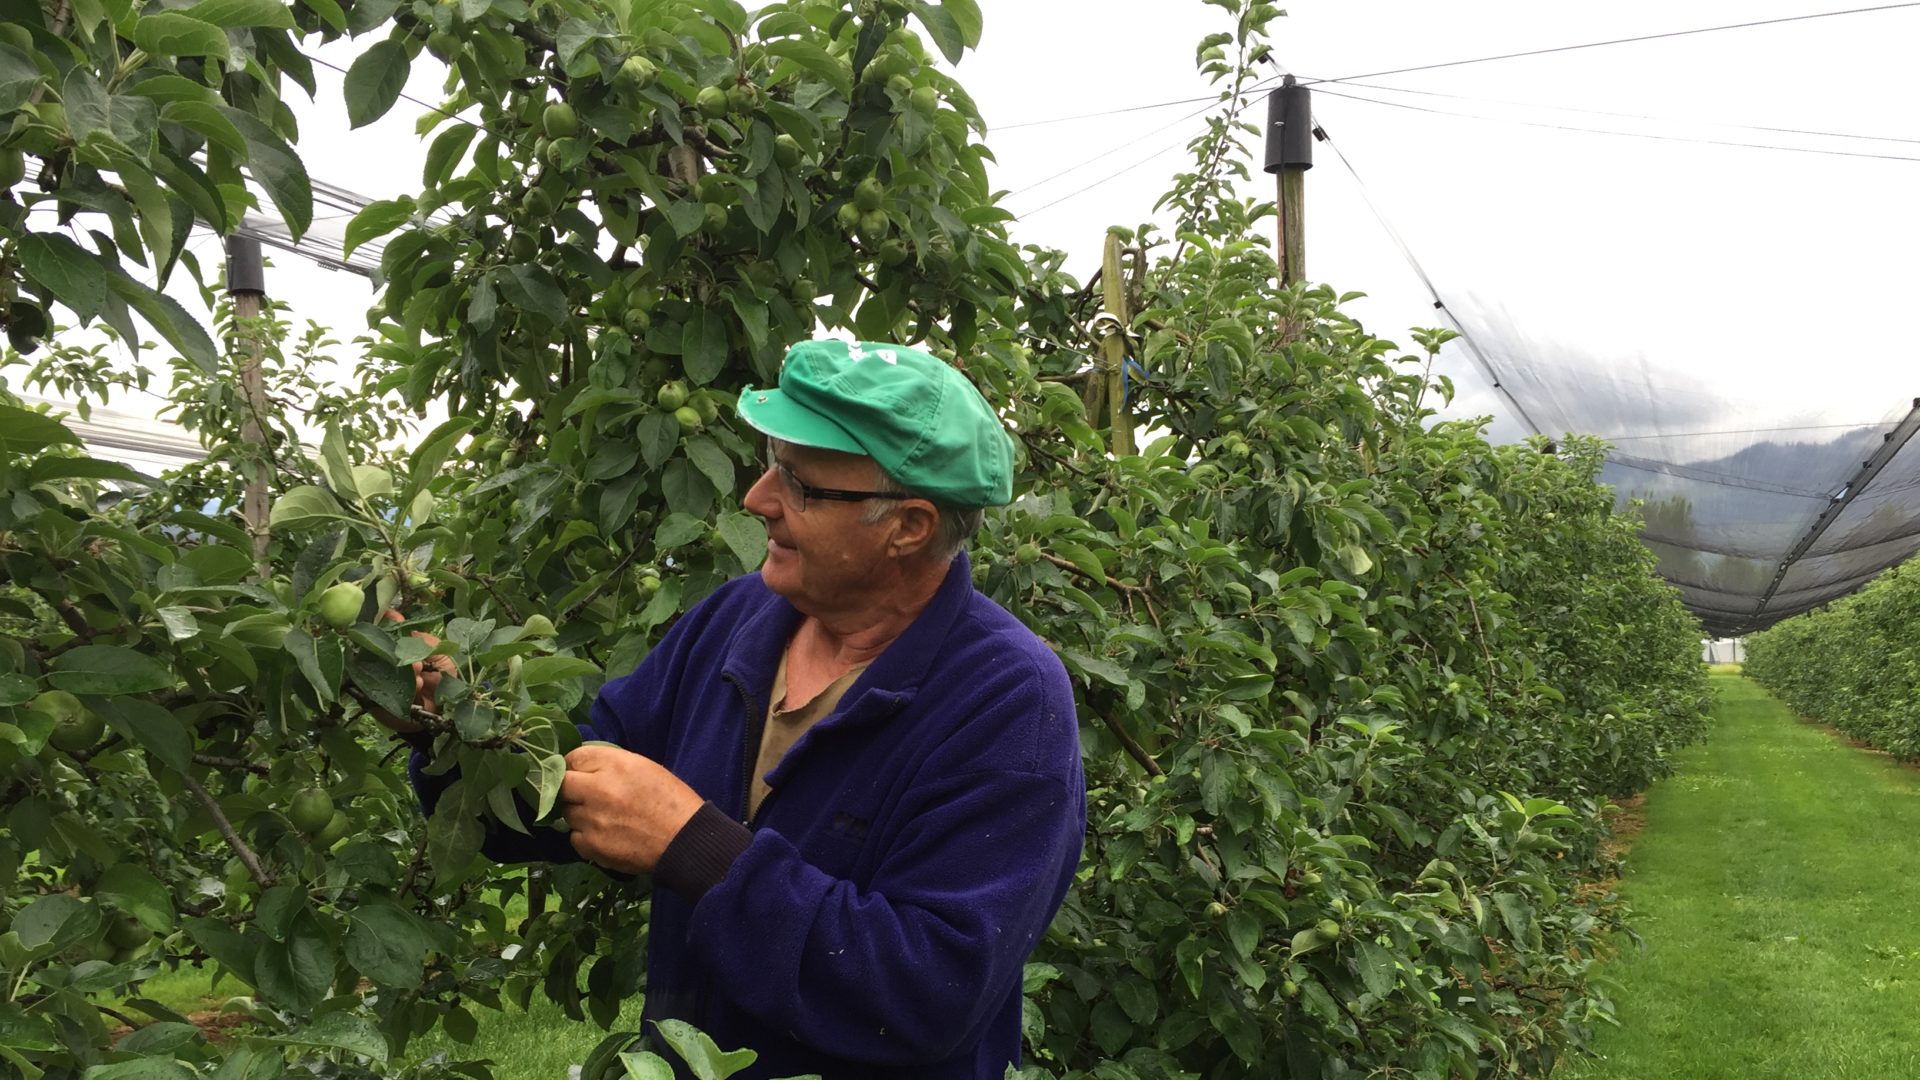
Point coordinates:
[(749, 753)]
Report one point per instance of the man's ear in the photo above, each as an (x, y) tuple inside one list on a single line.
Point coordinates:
[(914, 526)]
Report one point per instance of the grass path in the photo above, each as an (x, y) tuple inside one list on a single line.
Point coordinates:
[(1777, 885)]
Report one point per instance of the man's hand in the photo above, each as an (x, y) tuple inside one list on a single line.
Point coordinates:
[(623, 808), (426, 682)]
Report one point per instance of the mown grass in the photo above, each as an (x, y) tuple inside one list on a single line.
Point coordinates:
[(1777, 885)]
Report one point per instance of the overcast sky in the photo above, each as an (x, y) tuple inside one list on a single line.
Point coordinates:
[(1631, 285)]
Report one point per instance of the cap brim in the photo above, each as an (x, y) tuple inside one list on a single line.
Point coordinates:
[(772, 413)]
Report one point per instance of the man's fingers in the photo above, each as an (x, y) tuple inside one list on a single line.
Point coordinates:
[(591, 757), (576, 787)]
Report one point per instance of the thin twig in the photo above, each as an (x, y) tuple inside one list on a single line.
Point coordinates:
[(218, 762), (1068, 564), (413, 867), (1134, 749), (487, 581), (573, 611), (247, 858)]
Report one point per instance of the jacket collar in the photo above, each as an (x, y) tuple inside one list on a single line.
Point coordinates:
[(896, 673)]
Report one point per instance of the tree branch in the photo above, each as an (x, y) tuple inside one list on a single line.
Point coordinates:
[(247, 858), (218, 762), (1133, 747)]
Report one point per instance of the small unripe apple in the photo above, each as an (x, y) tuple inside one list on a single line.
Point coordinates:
[(340, 605), (638, 72), (311, 810), (560, 121)]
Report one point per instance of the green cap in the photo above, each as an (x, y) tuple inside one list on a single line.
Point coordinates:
[(918, 417)]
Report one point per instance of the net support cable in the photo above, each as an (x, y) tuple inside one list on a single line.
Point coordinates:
[(1890, 445)]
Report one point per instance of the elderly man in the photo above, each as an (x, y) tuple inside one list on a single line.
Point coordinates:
[(855, 780)]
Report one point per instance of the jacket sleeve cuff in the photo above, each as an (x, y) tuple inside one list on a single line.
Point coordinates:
[(700, 854)]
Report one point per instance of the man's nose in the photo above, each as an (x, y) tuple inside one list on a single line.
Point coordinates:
[(763, 498)]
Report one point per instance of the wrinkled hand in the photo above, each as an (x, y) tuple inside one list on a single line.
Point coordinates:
[(623, 808)]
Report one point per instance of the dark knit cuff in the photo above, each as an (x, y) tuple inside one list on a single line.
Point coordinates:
[(700, 854)]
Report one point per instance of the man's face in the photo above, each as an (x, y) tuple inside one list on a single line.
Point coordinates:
[(823, 558)]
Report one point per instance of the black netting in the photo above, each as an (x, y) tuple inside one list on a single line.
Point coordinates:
[(1757, 509)]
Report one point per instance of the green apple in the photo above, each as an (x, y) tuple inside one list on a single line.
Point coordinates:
[(638, 72), (559, 121), (340, 604), (311, 810)]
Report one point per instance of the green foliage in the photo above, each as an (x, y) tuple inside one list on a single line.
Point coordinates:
[(1354, 685), (1852, 663)]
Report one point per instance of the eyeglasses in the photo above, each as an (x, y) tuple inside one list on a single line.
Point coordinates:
[(799, 491)]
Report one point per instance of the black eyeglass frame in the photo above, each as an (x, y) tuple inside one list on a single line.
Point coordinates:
[(808, 491)]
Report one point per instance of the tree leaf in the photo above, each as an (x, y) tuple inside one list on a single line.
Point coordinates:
[(678, 529), (644, 1065), (66, 270), (746, 537), (341, 1031), (813, 58), (319, 659), (698, 1050), (139, 1069), (278, 169), (386, 944), (374, 82), (712, 462), (55, 921), (297, 973), (174, 33), (965, 15), (232, 13), (541, 670), (164, 313), (23, 431), (378, 219), (108, 670), (659, 434), (703, 346), (942, 28), (304, 505), (133, 889), (150, 727), (207, 120), (447, 149), (532, 288)]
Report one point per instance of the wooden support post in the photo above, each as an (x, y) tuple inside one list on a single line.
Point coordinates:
[(1289, 154), (1114, 347), (246, 285), (1293, 226)]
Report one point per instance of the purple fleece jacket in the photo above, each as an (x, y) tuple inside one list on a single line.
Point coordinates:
[(873, 919)]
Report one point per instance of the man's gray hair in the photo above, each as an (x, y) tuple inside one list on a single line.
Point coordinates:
[(957, 523)]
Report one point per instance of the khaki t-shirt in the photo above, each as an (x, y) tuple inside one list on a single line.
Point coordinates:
[(785, 726)]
